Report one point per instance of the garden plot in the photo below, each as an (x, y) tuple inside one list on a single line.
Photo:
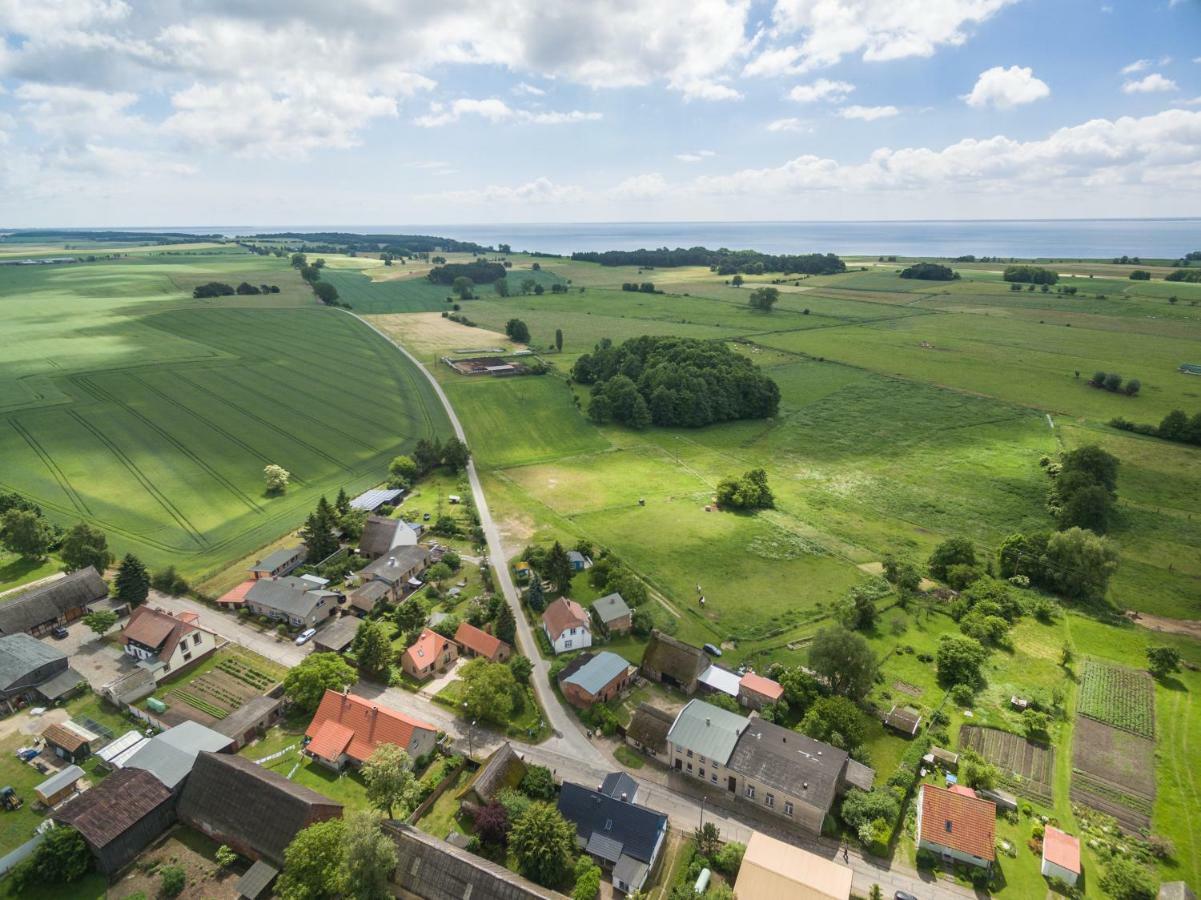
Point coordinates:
[(1113, 771), (1117, 696), (1026, 767), (221, 690)]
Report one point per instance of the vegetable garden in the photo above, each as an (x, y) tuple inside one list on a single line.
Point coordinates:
[(1117, 696)]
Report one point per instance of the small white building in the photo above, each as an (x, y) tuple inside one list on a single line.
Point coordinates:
[(1061, 855), (567, 626)]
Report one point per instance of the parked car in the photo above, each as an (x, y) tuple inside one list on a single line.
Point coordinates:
[(903, 895), (712, 650), (304, 636), (59, 632)]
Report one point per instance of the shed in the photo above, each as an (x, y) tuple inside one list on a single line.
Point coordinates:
[(1061, 855), (648, 729), (115, 752), (943, 758), (337, 635), (70, 742), (903, 720), (673, 662), (257, 879), (59, 786), (1004, 800), (503, 769), (719, 680), (119, 816), (372, 500), (250, 720)]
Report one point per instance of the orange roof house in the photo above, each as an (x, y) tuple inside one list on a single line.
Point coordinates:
[(430, 654), (474, 641), (756, 691), (164, 643), (1061, 855), (347, 728), (956, 826), (567, 625), (236, 596)]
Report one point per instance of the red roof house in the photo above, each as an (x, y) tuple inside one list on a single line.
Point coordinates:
[(164, 643), (347, 728), (957, 826), (474, 641), (567, 625), (756, 691), (430, 654), (236, 596)]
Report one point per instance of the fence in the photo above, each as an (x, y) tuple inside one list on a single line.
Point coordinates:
[(442, 787), (21, 854)]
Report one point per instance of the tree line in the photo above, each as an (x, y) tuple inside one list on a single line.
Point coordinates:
[(221, 289), (1175, 426), (929, 272), (1112, 382), (479, 272), (1030, 275), (326, 292), (723, 261)]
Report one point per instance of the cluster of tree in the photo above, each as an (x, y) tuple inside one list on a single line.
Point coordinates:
[(1140, 275), (1124, 260), (750, 491), (857, 611), (1030, 275), (1175, 426), (324, 291), (671, 381), (479, 271), (552, 564), (986, 611), (763, 298), (930, 272), (516, 330), (1112, 382), (61, 858), (723, 261), (307, 681), (427, 455), (1191, 257), (646, 287), (1084, 488), (419, 245), (610, 576), (212, 289), (347, 857), (323, 526), (1189, 276), (970, 257), (1075, 564), (23, 530)]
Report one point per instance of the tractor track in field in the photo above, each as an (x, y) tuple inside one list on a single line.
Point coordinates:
[(55, 472)]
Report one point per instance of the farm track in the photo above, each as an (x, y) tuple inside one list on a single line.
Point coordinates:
[(55, 472)]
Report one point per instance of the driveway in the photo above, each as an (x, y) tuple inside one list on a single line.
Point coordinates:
[(96, 659)]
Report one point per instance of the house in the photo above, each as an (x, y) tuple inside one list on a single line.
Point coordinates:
[(719, 680), (164, 644), (381, 535), (291, 600), (791, 775), (365, 597), (620, 786), (774, 870), (579, 562), (613, 614), (69, 741), (1061, 855), (756, 692), (624, 838), (250, 720), (119, 817), (701, 741), (429, 655), (169, 756), (347, 728), (59, 786), (398, 571), (903, 720), (566, 626), (589, 679), (432, 869), (503, 769), (370, 501), (338, 635), (673, 662), (61, 601), (254, 811), (474, 641), (33, 672), (648, 729), (955, 827), (280, 563), (235, 597)]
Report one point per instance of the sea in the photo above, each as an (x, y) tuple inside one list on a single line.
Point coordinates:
[(1060, 239)]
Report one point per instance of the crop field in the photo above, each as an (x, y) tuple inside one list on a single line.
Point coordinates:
[(1113, 771), (1026, 766), (1117, 696), (129, 405)]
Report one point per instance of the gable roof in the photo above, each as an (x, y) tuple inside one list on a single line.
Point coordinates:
[(966, 824), (170, 756), (391, 567), (610, 608), (273, 561), (237, 594), (365, 725), (365, 596), (790, 762), (595, 672), (562, 614), (772, 869), (758, 684), (477, 640), (105, 812), (158, 629), (649, 726), (375, 498), (21, 654), (293, 596), (707, 730), (618, 783), (67, 738), (50, 601), (721, 679), (611, 827), (1062, 849), (59, 781), (503, 769), (246, 716), (239, 798), (426, 648), (903, 719), (381, 534), (681, 661), (340, 633)]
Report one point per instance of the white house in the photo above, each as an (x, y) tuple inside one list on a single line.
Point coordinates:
[(567, 625), (1061, 855), (163, 643)]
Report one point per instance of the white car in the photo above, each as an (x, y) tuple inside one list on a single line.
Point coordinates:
[(305, 635)]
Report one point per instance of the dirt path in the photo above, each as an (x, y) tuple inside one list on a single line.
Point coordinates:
[(1188, 627)]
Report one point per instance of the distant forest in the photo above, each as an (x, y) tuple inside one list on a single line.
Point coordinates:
[(400, 244), (65, 236), (724, 262)]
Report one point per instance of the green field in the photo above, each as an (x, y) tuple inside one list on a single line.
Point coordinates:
[(127, 404)]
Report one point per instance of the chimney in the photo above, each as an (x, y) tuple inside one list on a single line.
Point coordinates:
[(708, 721), (392, 561), (804, 785), (625, 798)]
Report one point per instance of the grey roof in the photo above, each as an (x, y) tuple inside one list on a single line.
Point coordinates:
[(60, 780), (365, 596), (790, 762), (62, 683), (629, 870), (575, 556), (21, 654), (617, 784), (171, 755), (858, 775), (503, 769), (375, 498), (293, 596), (707, 730), (273, 561), (605, 847), (384, 569), (50, 601), (610, 608), (256, 880), (721, 679), (599, 820), (338, 634), (380, 535), (597, 672), (247, 715)]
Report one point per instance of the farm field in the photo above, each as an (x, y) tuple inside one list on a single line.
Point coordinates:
[(128, 404), (1113, 772), (1120, 697), (1027, 767)]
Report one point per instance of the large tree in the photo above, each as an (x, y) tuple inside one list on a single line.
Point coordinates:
[(391, 784), (85, 546), (1163, 661), (410, 614), (837, 721), (1079, 564), (506, 625), (558, 568), (25, 532), (276, 478), (318, 533), (313, 863), (373, 651), (516, 330), (764, 298), (959, 660), (306, 683), (369, 857), (487, 691), (543, 843), (845, 660), (951, 552), (132, 584)]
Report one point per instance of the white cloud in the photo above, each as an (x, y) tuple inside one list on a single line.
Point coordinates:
[(1153, 83), (789, 124), (696, 157), (77, 115), (494, 110), (1004, 88), (1137, 66), (523, 89), (822, 89), (868, 113), (705, 89), (878, 30), (651, 186), (36, 19), (540, 191)]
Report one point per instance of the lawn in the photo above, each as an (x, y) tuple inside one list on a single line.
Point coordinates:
[(17, 570), (443, 817), (346, 787)]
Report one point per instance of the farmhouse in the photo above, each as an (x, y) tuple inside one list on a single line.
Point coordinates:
[(613, 614), (33, 672), (956, 827), (566, 625), (370, 501), (398, 571), (336, 636), (474, 641), (701, 741), (163, 643), (648, 729), (364, 598), (59, 786), (624, 838), (673, 662), (347, 728), (169, 756), (292, 600), (119, 817), (381, 535), (69, 741), (503, 769), (253, 810), (590, 679), (773, 870), (62, 601), (279, 563), (756, 692), (430, 654), (1061, 855)]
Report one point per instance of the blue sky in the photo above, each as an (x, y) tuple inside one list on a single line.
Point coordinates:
[(114, 112)]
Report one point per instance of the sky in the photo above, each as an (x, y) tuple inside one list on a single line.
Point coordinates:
[(378, 112)]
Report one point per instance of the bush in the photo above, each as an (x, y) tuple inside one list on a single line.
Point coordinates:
[(963, 695), (173, 880)]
